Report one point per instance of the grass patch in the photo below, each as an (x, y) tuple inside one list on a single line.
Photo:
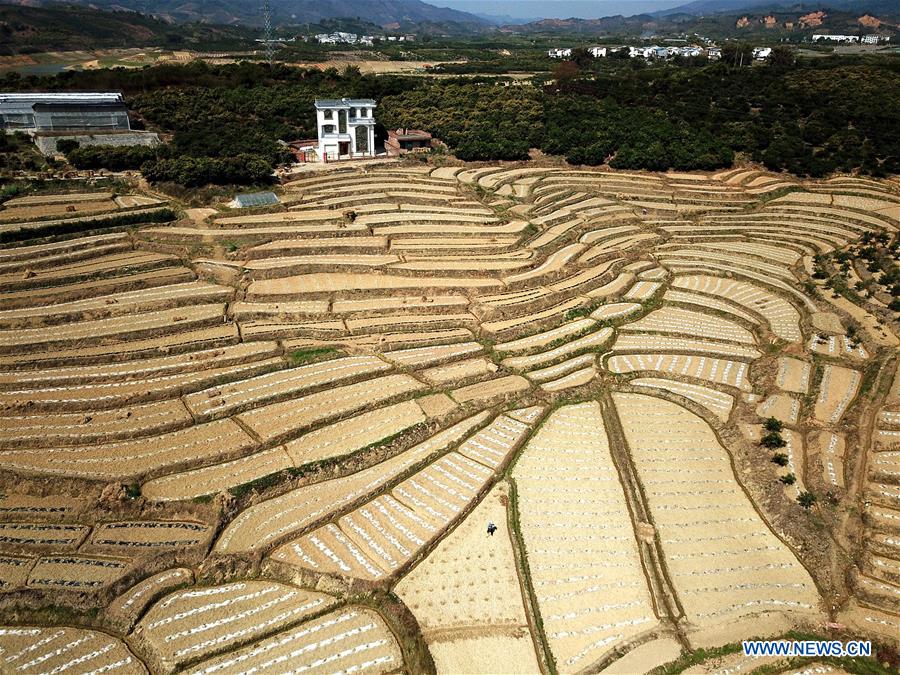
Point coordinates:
[(259, 484), (578, 312), (270, 480), (870, 375), (525, 570), (310, 354), (688, 659)]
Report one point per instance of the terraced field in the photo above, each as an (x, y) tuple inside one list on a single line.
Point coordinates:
[(275, 441)]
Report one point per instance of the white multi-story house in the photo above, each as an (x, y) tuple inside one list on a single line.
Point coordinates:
[(346, 128), (559, 53), (762, 53), (597, 52)]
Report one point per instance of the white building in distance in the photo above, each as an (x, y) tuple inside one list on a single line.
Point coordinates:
[(821, 37), (346, 128)]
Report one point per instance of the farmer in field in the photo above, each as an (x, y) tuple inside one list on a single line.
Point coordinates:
[(491, 529)]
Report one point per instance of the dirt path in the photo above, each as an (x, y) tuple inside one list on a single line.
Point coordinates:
[(661, 588), (850, 520)]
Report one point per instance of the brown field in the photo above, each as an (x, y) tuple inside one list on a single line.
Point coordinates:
[(290, 454)]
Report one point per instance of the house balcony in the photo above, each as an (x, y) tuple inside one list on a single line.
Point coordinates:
[(336, 137)]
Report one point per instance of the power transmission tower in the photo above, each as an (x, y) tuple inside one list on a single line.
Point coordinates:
[(270, 45)]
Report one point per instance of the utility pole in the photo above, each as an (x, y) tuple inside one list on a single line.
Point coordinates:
[(270, 47)]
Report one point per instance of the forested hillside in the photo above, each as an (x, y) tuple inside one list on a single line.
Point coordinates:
[(399, 14), (813, 118), (25, 30)]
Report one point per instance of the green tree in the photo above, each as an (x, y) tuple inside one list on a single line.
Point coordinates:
[(772, 424), (806, 499), (772, 440), (67, 145), (782, 57)]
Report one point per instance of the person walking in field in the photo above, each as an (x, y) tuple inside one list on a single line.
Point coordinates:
[(491, 529)]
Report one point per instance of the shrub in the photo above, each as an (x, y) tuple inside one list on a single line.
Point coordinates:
[(788, 479), (113, 158), (772, 440), (67, 145), (198, 171), (773, 424), (780, 459), (806, 499)]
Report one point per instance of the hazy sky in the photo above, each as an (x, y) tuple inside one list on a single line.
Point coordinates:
[(558, 9)]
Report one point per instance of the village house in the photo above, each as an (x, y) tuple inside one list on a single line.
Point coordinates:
[(346, 128), (402, 141), (558, 53), (848, 39)]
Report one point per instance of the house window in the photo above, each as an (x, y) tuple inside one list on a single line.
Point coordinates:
[(328, 115), (327, 128)]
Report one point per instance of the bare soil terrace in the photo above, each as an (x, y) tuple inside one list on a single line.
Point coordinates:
[(255, 442)]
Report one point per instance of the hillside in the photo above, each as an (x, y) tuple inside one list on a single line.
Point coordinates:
[(25, 30), (792, 25), (391, 14), (706, 7)]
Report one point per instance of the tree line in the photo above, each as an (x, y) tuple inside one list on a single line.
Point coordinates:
[(226, 122)]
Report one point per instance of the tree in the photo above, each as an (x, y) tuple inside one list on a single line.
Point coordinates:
[(566, 71), (788, 479), (67, 145), (582, 58), (780, 459), (773, 424), (782, 57), (806, 499), (772, 440), (737, 54)]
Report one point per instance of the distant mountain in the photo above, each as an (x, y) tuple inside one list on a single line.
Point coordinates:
[(391, 14), (609, 26), (710, 7), (764, 23), (25, 30), (504, 19)]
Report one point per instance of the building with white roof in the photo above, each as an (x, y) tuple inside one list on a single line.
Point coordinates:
[(346, 128), (824, 37)]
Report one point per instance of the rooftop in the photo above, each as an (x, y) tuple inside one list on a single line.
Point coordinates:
[(63, 97), (409, 134), (255, 199), (345, 103)]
